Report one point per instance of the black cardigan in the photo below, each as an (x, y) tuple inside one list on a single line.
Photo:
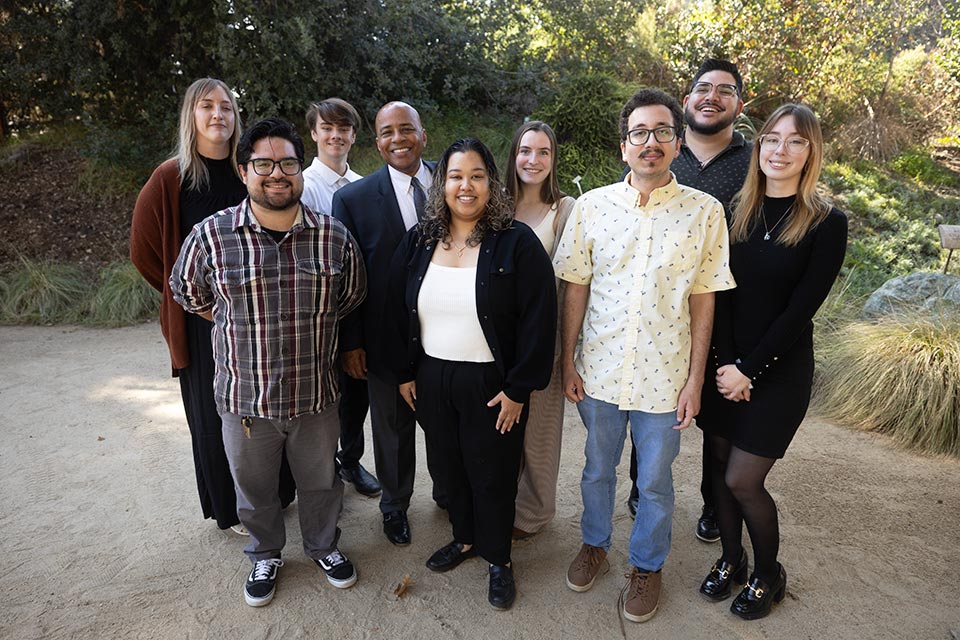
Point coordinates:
[(516, 306)]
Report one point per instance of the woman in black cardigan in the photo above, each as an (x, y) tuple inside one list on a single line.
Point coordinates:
[(474, 297)]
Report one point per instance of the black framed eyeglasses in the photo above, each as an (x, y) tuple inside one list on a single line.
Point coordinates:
[(660, 134), (264, 166), (723, 90)]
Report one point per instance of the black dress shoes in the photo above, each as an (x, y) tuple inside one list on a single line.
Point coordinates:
[(502, 590), (716, 585), (449, 557), (757, 596), (361, 479), (396, 528), (707, 528)]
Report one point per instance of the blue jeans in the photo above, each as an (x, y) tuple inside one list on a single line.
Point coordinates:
[(657, 446)]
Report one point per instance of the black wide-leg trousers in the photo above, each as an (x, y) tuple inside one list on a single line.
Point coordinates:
[(481, 466)]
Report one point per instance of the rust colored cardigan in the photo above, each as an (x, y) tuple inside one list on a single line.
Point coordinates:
[(154, 246)]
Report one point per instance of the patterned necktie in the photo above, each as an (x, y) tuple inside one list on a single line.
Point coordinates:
[(419, 198)]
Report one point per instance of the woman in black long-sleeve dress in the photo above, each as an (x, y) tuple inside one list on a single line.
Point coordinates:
[(787, 246)]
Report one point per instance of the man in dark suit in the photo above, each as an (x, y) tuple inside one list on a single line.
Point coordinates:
[(378, 210)]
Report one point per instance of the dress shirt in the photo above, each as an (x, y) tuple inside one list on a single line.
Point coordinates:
[(275, 307), (320, 182), (403, 187), (642, 263)]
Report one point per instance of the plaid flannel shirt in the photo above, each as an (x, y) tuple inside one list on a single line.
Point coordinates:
[(275, 307)]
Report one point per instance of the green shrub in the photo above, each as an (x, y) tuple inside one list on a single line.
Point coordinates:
[(43, 293), (899, 377), (122, 297), (586, 111), (919, 166)]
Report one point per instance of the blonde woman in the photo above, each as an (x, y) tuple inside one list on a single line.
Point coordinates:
[(787, 246), (199, 180), (533, 185)]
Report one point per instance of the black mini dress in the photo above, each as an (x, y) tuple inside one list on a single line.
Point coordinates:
[(765, 326)]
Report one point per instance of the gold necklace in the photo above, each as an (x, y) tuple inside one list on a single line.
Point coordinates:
[(459, 249)]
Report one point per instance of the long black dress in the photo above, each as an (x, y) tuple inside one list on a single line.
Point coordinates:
[(218, 498), (765, 325)]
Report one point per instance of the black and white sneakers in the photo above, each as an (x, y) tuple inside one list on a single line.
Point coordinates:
[(339, 570), (262, 582)]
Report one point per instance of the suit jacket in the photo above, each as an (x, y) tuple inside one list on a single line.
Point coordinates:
[(369, 209)]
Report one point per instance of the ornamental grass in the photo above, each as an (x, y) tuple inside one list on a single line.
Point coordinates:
[(899, 376)]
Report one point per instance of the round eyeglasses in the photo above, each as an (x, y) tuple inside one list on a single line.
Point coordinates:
[(794, 145)]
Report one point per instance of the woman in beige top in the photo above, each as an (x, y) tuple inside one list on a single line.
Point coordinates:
[(532, 183)]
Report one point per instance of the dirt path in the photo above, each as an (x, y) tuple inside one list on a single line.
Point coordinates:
[(102, 535)]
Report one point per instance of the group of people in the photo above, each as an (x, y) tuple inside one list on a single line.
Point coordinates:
[(296, 300)]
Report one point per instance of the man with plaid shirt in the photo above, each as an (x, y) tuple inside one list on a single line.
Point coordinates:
[(275, 277)]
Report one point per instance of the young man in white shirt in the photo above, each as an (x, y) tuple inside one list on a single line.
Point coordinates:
[(333, 126)]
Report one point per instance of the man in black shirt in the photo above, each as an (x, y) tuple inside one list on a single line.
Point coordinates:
[(713, 158)]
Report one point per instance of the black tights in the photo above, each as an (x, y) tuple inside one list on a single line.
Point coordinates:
[(740, 496)]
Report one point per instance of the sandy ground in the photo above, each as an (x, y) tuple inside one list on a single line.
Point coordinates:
[(103, 538)]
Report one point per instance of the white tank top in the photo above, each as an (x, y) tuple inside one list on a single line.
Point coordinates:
[(447, 308)]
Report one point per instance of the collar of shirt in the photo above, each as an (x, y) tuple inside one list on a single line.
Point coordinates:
[(331, 177), (402, 182), (657, 197), (243, 217)]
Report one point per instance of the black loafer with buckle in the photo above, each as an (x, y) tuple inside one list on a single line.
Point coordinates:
[(757, 597), (716, 585)]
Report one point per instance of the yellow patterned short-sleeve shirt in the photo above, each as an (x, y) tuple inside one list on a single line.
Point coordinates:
[(642, 263)]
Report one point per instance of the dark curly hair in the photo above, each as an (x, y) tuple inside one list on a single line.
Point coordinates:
[(498, 214)]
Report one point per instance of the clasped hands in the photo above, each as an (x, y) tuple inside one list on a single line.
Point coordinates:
[(732, 384)]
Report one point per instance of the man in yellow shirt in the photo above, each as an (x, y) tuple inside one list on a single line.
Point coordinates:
[(642, 259)]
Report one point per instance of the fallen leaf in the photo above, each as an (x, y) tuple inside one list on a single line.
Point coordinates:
[(401, 588)]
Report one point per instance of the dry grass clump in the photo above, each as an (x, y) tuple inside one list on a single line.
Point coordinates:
[(122, 297), (900, 377), (43, 293)]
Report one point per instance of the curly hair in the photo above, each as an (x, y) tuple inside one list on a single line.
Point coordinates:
[(498, 214)]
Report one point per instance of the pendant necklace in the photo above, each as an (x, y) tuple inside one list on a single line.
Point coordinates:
[(766, 236), (459, 249)]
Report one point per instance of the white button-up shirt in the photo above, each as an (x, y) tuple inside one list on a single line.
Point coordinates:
[(403, 187), (642, 263), (320, 182)]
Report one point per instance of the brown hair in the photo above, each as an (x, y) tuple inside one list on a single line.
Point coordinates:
[(809, 209), (550, 189), (335, 111)]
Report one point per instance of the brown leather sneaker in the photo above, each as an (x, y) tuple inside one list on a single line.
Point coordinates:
[(585, 567), (641, 595)]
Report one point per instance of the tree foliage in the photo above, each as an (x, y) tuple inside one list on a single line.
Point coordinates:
[(870, 69)]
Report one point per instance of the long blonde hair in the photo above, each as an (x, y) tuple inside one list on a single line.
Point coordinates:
[(809, 209), (193, 173)]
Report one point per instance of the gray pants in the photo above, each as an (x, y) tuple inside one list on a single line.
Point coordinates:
[(394, 443), (311, 445)]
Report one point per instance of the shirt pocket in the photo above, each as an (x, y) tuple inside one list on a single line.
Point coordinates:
[(678, 252), (317, 286)]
